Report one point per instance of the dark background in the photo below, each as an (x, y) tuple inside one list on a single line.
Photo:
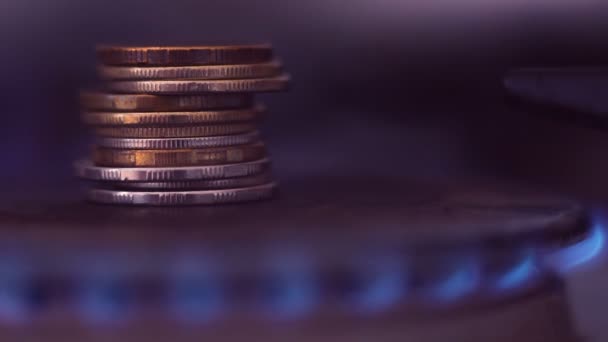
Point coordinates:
[(393, 88)]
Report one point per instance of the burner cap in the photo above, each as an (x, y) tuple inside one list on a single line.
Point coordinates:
[(333, 213)]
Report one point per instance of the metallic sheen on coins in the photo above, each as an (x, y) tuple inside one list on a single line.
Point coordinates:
[(178, 125), (204, 72), (185, 157), (202, 86), (86, 170), (184, 55), (173, 118), (179, 143), (178, 198), (210, 184), (154, 103), (174, 131)]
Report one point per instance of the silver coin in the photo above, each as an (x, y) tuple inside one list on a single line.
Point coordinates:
[(179, 143), (85, 169), (209, 184), (201, 86), (180, 198), (199, 72), (186, 131)]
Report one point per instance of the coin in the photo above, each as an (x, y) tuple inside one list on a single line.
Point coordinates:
[(85, 169), (203, 72), (143, 102), (202, 86), (174, 131), (179, 143), (187, 157), (172, 118), (210, 184), (176, 198), (184, 55)]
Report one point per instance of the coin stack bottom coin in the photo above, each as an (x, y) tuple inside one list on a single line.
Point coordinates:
[(178, 125)]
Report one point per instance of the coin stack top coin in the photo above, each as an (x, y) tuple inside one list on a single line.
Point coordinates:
[(177, 125)]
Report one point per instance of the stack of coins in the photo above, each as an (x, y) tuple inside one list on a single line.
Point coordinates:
[(177, 125)]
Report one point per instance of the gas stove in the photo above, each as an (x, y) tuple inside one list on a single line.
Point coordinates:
[(381, 262)]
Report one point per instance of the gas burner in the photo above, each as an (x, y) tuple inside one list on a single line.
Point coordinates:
[(445, 264)]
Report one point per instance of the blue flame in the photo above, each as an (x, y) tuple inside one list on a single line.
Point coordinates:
[(14, 291), (103, 301), (102, 295), (383, 288), (293, 296), (292, 288), (196, 300), (196, 291), (463, 280), (571, 257), (518, 275), (382, 293), (14, 304)]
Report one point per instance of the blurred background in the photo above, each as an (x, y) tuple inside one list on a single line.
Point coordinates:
[(416, 81), (394, 88)]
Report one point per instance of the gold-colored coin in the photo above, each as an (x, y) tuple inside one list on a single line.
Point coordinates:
[(199, 72), (155, 103), (174, 131), (172, 118), (184, 55), (170, 158), (172, 87)]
